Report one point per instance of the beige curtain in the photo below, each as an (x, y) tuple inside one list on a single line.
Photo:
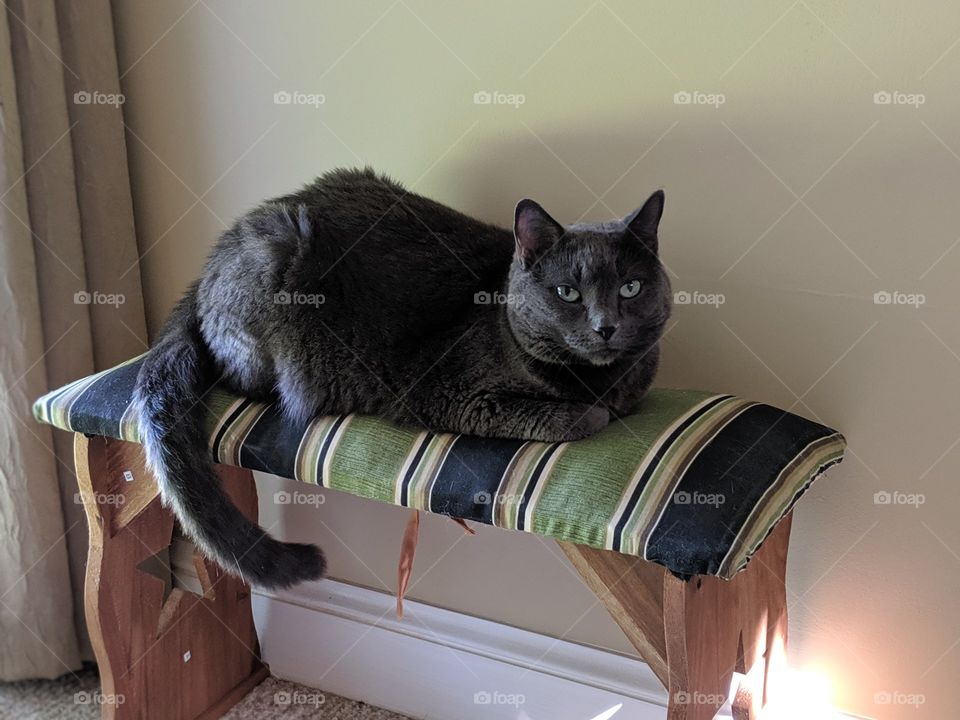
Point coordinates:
[(70, 304)]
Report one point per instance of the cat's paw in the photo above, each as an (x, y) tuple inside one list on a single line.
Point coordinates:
[(584, 421)]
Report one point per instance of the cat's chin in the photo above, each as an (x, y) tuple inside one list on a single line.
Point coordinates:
[(600, 358), (606, 357)]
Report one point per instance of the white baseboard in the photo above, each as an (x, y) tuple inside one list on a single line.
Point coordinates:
[(443, 665), (437, 664)]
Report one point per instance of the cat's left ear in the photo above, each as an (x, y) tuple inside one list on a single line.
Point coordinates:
[(643, 223), (534, 231)]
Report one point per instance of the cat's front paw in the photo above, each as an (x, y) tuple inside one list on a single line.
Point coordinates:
[(584, 421)]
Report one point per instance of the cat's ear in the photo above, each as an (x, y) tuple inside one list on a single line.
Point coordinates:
[(534, 231), (643, 223)]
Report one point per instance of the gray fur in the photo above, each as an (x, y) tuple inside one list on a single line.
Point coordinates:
[(356, 296)]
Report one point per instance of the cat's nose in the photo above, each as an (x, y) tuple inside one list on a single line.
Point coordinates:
[(606, 331)]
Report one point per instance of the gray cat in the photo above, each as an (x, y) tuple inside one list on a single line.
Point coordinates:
[(356, 296)]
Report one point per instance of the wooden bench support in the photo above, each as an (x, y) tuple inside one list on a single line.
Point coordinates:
[(163, 652), (694, 635)]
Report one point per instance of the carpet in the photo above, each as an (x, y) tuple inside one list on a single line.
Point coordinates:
[(76, 696)]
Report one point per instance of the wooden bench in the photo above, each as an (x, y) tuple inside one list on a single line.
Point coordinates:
[(698, 590), (185, 656)]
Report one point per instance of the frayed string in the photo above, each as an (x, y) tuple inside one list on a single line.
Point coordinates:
[(463, 523), (408, 550)]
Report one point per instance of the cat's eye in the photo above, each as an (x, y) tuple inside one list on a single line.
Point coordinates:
[(630, 289), (567, 293)]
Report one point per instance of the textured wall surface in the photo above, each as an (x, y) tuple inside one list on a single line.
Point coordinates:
[(810, 153)]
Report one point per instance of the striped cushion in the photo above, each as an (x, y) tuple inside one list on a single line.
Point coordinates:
[(694, 481)]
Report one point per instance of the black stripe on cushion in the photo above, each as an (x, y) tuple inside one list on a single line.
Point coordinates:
[(652, 466), (100, 408), (271, 444), (532, 484), (325, 447), (466, 484), (694, 533), (225, 426), (412, 469)]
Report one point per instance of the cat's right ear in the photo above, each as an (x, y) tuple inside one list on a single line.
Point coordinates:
[(535, 232)]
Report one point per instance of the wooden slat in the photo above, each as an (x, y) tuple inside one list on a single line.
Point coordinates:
[(140, 638), (717, 627), (695, 634), (631, 590)]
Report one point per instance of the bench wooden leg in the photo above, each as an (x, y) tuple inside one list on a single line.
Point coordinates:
[(694, 635), (162, 652)]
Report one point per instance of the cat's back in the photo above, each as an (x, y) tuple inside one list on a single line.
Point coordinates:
[(370, 242), (361, 210), (375, 253)]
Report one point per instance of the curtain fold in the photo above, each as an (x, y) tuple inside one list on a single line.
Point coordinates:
[(71, 302)]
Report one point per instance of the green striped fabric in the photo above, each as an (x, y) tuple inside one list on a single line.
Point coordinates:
[(694, 481)]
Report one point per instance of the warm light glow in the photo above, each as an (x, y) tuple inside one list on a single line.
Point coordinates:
[(801, 695), (607, 714)]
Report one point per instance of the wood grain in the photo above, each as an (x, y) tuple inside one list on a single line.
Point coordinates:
[(181, 656), (695, 634), (631, 589), (717, 627)]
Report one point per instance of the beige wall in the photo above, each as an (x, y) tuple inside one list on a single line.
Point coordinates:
[(797, 199)]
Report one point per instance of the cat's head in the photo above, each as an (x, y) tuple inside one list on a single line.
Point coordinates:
[(588, 293)]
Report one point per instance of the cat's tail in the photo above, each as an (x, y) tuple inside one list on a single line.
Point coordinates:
[(175, 376)]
